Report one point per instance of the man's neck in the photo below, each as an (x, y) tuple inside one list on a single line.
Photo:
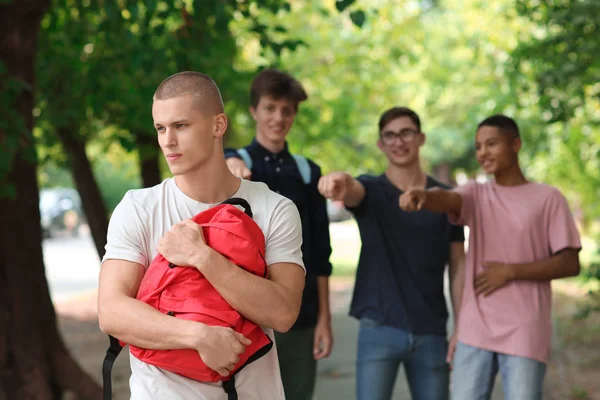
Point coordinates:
[(512, 176), (211, 184), (407, 177), (273, 147)]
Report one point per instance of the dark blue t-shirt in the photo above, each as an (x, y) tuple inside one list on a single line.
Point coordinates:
[(400, 276)]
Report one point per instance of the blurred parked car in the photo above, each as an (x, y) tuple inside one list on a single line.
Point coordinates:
[(337, 212), (61, 211)]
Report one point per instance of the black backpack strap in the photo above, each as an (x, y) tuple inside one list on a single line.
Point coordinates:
[(237, 201), (229, 387), (111, 355)]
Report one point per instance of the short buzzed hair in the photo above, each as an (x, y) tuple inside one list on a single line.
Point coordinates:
[(504, 124), (189, 83), (277, 84)]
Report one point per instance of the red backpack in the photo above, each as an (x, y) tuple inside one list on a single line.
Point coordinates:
[(183, 292)]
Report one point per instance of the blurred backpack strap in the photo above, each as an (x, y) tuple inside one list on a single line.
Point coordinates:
[(303, 168), (245, 157)]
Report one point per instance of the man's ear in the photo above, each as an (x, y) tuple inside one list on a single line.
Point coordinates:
[(253, 112), (379, 144), (517, 144), (422, 138), (219, 125)]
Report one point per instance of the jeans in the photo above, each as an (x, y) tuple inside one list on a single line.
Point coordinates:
[(474, 371), (381, 350)]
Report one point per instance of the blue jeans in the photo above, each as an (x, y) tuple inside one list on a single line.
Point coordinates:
[(381, 350), (474, 371)]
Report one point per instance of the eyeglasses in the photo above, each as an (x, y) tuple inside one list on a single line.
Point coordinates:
[(406, 135)]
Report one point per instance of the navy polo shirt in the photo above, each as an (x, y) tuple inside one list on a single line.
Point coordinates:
[(280, 173), (400, 276)]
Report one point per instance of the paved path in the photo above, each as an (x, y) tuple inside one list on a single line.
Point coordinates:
[(72, 266)]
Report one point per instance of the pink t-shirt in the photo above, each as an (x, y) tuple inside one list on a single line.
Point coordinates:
[(512, 224)]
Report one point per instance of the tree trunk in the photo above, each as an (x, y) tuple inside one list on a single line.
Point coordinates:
[(91, 197), (34, 363), (149, 152)]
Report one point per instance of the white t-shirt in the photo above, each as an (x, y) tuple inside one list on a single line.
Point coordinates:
[(137, 224)]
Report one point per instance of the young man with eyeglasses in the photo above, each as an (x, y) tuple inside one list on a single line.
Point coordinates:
[(398, 295)]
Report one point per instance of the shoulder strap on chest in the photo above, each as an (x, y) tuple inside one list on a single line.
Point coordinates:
[(301, 163), (246, 157), (303, 168)]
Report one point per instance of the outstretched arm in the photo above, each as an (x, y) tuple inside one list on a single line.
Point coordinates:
[(236, 165), (435, 199), (341, 186)]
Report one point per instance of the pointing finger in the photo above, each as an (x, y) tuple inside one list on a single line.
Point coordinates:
[(420, 202)]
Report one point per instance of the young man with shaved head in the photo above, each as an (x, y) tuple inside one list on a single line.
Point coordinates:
[(522, 236), (190, 124)]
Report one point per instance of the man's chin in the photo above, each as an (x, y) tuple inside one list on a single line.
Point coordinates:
[(403, 161), (489, 170), (277, 136), (177, 171)]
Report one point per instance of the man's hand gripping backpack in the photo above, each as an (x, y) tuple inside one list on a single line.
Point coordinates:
[(183, 292)]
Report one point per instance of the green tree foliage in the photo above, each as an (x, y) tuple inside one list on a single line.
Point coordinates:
[(453, 62), (99, 64), (557, 67), (561, 59), (558, 64), (443, 59)]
